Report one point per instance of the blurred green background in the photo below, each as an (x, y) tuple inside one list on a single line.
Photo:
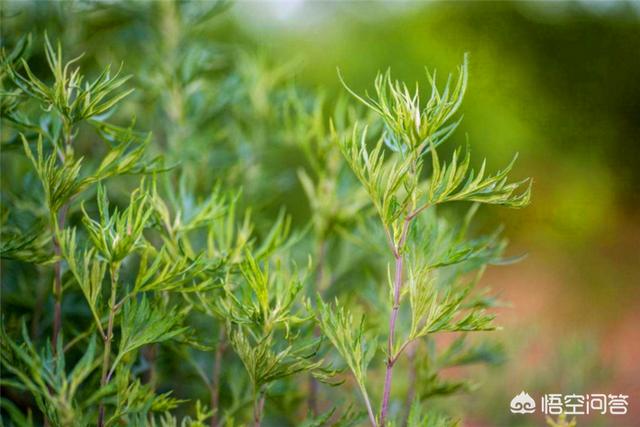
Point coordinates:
[(557, 82)]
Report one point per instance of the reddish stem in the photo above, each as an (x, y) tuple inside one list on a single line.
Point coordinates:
[(258, 408), (397, 286)]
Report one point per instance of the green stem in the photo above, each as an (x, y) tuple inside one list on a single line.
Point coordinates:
[(58, 224), (58, 219), (108, 338), (258, 408), (367, 403)]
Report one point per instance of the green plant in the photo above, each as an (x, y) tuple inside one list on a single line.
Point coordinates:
[(401, 194), (113, 239), (163, 271)]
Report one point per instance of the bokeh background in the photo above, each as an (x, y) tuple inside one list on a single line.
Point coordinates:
[(557, 82)]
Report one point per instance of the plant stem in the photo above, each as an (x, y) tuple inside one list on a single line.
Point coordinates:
[(397, 286), (57, 268), (258, 408), (367, 403), (108, 338), (215, 378), (57, 220), (390, 341)]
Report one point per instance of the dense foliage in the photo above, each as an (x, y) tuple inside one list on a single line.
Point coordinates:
[(153, 278)]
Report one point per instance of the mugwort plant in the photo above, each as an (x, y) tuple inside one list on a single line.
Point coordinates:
[(161, 278)]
